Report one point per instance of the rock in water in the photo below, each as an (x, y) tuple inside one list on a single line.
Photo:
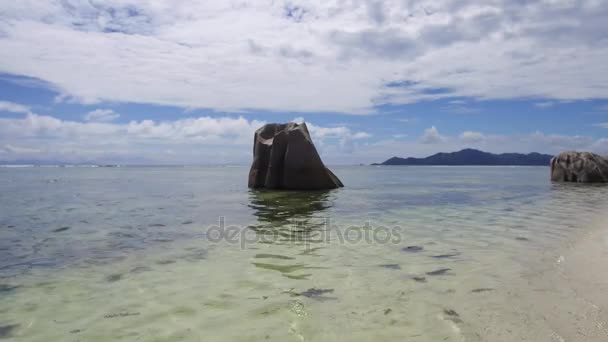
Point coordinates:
[(580, 167), (284, 157)]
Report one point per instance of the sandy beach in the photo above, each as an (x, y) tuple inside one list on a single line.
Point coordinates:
[(563, 296), (576, 303)]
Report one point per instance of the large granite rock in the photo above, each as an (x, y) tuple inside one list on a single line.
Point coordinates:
[(580, 167), (284, 157)]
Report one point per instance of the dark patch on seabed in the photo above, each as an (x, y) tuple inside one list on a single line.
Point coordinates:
[(438, 272), (121, 314), (4, 288), (316, 293), (166, 262), (452, 315), (140, 269), (391, 266), (413, 249), (6, 331), (113, 277), (445, 256), (272, 256), (59, 230)]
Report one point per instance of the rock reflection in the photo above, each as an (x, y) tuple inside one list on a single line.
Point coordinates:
[(290, 218), (293, 216)]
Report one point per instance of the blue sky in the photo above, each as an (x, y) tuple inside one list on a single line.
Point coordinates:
[(188, 82)]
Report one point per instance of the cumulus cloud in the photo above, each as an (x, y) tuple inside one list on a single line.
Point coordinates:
[(209, 129), (432, 136), (342, 134), (303, 56), (202, 140), (101, 115), (12, 107), (206, 140)]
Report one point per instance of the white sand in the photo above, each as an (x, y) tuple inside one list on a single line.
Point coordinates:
[(562, 297)]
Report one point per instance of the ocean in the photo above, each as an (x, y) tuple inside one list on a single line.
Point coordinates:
[(192, 254)]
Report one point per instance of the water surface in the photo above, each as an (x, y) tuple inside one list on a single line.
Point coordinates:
[(191, 254)]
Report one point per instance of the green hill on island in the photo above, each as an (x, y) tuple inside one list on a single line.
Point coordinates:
[(475, 157)]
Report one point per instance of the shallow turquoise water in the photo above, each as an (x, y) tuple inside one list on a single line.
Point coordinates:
[(143, 253)]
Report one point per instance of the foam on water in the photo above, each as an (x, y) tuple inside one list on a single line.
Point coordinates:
[(402, 253)]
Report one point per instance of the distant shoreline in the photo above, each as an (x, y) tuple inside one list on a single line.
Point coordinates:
[(471, 157)]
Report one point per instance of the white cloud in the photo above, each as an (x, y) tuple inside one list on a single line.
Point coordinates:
[(201, 140), (321, 56), (601, 124), (101, 115), (457, 102), (12, 107), (20, 150), (221, 140), (432, 136), (600, 146), (471, 137), (460, 109), (379, 151), (345, 137), (546, 104)]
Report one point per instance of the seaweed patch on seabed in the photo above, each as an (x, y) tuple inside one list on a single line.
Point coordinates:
[(6, 331)]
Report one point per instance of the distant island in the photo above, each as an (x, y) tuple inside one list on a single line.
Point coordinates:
[(475, 157)]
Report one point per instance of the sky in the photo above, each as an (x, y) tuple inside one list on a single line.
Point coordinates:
[(189, 82)]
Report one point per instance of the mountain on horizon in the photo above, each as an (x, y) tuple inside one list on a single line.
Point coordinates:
[(475, 157)]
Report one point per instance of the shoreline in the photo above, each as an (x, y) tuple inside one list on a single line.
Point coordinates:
[(582, 268), (564, 297)]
